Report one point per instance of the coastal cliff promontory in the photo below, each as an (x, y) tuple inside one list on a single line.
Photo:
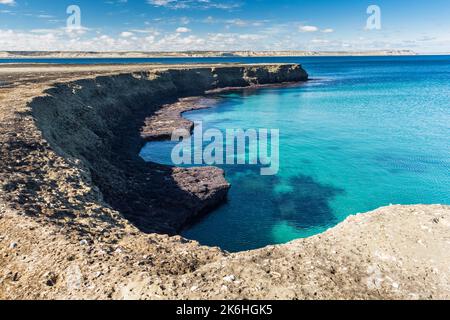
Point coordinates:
[(82, 216), (97, 121)]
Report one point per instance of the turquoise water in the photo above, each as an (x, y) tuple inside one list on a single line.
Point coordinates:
[(364, 133)]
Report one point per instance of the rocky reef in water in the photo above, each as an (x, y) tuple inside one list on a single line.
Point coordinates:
[(82, 216)]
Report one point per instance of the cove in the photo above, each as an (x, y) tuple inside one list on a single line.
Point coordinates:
[(364, 133)]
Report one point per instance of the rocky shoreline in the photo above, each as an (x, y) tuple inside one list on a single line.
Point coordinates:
[(99, 123), (82, 216)]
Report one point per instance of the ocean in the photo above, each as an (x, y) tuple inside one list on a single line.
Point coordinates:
[(365, 132)]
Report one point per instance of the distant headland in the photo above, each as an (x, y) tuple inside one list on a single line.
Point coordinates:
[(195, 54)]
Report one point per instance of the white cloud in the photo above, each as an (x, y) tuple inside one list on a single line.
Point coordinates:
[(251, 37), (308, 29), (185, 20), (126, 34), (151, 31), (235, 22), (426, 38), (161, 3), (183, 30), (209, 19), (328, 30), (238, 22), (8, 2), (75, 31), (273, 37), (320, 41), (201, 4)]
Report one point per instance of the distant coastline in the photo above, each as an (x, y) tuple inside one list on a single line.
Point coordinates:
[(195, 54)]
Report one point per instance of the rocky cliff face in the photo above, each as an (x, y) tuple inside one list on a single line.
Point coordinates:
[(97, 121), (78, 207)]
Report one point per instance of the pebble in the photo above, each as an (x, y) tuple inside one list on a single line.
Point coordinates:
[(51, 278), (275, 274), (229, 278), (83, 243), (13, 245)]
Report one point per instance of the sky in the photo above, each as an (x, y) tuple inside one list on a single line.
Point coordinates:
[(225, 25)]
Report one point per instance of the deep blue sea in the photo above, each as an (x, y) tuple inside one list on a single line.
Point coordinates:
[(365, 132)]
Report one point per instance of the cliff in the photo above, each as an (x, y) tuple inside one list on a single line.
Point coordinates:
[(97, 121), (82, 216)]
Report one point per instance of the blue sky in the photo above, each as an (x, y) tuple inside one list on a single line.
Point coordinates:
[(165, 25)]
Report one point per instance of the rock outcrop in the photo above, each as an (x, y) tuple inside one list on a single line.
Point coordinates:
[(97, 122)]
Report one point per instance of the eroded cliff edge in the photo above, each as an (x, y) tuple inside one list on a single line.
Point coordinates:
[(72, 183), (97, 121)]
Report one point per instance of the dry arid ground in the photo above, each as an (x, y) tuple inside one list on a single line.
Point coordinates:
[(82, 217)]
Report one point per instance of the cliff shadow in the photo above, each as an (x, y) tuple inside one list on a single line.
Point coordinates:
[(101, 136)]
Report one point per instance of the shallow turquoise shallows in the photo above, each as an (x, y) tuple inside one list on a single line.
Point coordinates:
[(364, 133)]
